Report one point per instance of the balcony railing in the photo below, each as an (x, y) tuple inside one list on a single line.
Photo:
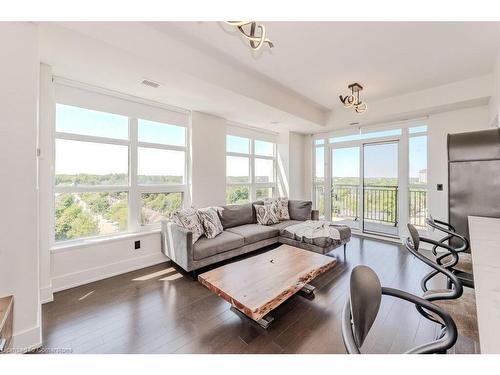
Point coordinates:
[(380, 204), (418, 206)]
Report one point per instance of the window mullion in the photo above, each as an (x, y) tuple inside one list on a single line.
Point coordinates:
[(252, 171), (133, 197)]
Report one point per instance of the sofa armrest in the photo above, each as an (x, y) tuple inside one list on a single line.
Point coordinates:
[(177, 244), (315, 215)]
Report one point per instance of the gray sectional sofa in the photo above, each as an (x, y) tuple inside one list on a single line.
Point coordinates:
[(241, 235)]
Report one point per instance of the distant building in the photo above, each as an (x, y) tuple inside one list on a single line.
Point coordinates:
[(422, 176)]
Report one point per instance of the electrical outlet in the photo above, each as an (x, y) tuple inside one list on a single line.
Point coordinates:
[(137, 245)]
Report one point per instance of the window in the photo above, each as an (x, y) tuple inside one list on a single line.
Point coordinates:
[(319, 180), (114, 173), (375, 181), (157, 206), (417, 163), (250, 169)]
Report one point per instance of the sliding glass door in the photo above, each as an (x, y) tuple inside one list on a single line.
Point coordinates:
[(346, 187), (380, 188), (374, 182)]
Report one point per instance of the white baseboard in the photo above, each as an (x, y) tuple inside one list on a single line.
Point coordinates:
[(46, 294), (72, 280), (27, 340)]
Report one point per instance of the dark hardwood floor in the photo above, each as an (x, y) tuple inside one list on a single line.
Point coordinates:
[(160, 309)]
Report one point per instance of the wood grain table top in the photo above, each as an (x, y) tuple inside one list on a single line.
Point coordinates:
[(258, 284)]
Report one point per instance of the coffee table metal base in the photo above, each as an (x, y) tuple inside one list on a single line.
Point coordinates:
[(307, 291)]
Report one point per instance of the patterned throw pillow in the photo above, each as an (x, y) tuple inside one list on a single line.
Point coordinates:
[(266, 213), (210, 220), (281, 206), (188, 218)]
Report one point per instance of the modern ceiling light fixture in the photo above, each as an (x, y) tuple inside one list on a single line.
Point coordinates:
[(353, 100), (255, 34)]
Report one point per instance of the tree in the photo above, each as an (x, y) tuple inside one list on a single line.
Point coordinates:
[(71, 221), (118, 213), (237, 194)]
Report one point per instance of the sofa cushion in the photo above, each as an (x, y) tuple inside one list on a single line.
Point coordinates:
[(283, 224), (254, 232), (300, 210), (236, 214), (206, 247), (255, 212), (210, 219), (188, 218), (267, 214), (281, 207)]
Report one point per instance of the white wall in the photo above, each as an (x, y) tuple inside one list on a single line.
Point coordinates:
[(93, 261), (494, 103), (297, 166), (283, 163), (439, 126), (45, 176), (19, 70), (208, 160)]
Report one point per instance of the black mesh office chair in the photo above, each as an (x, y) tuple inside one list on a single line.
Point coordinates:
[(362, 307), (463, 266), (462, 307)]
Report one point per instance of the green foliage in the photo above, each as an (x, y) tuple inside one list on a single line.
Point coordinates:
[(118, 213), (71, 221), (160, 180), (237, 194), (162, 203), (83, 179), (79, 214), (96, 202), (91, 179)]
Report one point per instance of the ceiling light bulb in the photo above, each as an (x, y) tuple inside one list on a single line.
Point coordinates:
[(361, 108)]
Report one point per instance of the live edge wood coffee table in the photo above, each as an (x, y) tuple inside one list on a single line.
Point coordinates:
[(256, 285)]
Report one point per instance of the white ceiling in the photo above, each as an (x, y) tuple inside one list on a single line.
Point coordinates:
[(207, 67), (317, 60)]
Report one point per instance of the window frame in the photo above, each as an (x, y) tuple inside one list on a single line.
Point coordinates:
[(133, 189), (327, 140), (252, 184)]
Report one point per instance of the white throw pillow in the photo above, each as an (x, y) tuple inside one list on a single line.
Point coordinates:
[(281, 206), (210, 220), (188, 218), (266, 213)]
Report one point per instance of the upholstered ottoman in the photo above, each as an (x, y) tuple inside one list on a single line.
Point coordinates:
[(316, 235)]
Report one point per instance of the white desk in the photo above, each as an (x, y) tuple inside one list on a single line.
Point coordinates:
[(485, 248)]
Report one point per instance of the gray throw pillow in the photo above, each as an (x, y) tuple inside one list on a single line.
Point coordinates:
[(210, 220), (300, 210), (281, 206), (267, 214), (188, 218)]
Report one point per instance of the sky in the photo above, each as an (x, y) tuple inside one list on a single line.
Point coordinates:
[(242, 145), (380, 160), (74, 157), (237, 166)]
